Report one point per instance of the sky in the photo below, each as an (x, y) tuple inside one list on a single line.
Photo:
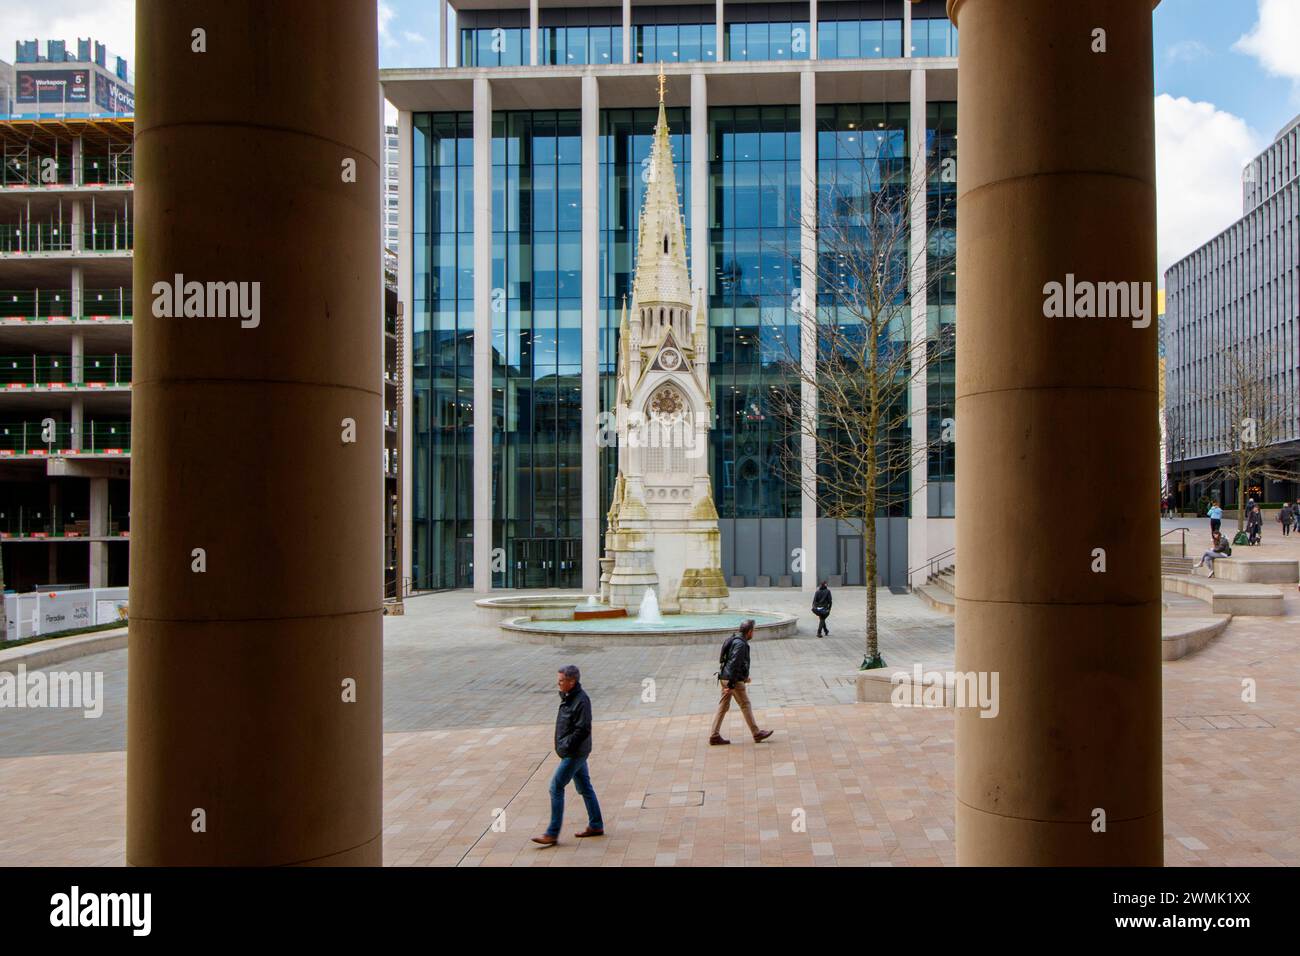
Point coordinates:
[(1227, 79)]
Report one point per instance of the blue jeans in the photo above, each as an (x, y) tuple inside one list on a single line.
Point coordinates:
[(575, 769)]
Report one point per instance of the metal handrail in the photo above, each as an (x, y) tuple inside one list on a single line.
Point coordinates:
[(929, 565), (1184, 533)]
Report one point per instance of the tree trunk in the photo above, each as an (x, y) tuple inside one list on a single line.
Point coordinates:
[(1241, 494), (871, 657)]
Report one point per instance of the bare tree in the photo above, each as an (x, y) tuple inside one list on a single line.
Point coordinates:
[(853, 400), (1250, 413)]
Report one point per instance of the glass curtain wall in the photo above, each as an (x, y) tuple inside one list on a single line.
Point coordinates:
[(767, 31), (867, 28), (573, 35), (862, 151), (537, 348), (442, 356), (941, 306), (754, 207), (674, 34)]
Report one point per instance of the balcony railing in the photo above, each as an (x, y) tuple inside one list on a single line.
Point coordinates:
[(27, 169), (25, 521), (43, 371), (36, 305), (111, 437)]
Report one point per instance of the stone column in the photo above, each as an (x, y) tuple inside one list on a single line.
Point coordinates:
[(98, 530), (1057, 179), (591, 322), (445, 42), (808, 320), (907, 28), (78, 304), (812, 29), (532, 31), (699, 187), (627, 31), (77, 363), (256, 570), (482, 334), (721, 32), (918, 392), (405, 296)]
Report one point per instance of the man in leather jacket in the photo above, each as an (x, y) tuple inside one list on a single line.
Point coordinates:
[(733, 675), (572, 746)]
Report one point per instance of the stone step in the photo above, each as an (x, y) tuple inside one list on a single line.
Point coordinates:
[(937, 598), (1227, 597)]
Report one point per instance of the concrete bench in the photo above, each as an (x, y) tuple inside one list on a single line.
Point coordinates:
[(1227, 597), (1258, 570), (1180, 636)]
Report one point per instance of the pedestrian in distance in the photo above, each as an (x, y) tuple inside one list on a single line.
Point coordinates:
[(1286, 517), (572, 746), (821, 606), (1255, 524), (733, 678), (1216, 516)]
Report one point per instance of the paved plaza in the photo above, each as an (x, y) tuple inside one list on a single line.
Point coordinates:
[(468, 718)]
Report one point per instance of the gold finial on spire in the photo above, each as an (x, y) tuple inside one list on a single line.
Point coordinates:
[(662, 80)]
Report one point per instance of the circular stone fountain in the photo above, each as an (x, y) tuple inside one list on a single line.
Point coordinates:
[(560, 619)]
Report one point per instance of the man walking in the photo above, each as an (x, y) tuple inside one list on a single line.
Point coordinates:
[(572, 745), (733, 675), (821, 606)]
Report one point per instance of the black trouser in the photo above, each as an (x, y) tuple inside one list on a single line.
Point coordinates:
[(821, 622), (1214, 524)]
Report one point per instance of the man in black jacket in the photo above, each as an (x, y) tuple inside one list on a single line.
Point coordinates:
[(733, 675), (572, 745)]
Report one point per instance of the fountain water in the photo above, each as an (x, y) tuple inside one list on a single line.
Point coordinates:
[(649, 610), (591, 601)]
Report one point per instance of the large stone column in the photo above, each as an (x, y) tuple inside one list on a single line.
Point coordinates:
[(591, 322), (808, 325), (256, 563), (1057, 179), (482, 334)]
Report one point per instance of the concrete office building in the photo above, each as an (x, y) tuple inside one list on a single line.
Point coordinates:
[(62, 82), (1240, 288), (66, 241), (392, 148), (521, 159)]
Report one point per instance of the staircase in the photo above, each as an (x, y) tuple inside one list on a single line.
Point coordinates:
[(940, 590), (1175, 565)]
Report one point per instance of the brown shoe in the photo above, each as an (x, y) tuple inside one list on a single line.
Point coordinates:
[(762, 735), (589, 832), (545, 840), (717, 739)]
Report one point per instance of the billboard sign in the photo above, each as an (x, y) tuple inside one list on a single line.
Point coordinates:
[(53, 86), (113, 97)]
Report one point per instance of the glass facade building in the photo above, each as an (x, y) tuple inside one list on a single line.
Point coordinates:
[(750, 159), (1238, 295)]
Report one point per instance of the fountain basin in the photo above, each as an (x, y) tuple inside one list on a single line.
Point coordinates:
[(555, 607), (628, 631)]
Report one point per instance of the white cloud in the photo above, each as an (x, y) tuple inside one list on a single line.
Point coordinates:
[(1187, 51), (1275, 38), (386, 15), (111, 22), (413, 37), (1200, 153)]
